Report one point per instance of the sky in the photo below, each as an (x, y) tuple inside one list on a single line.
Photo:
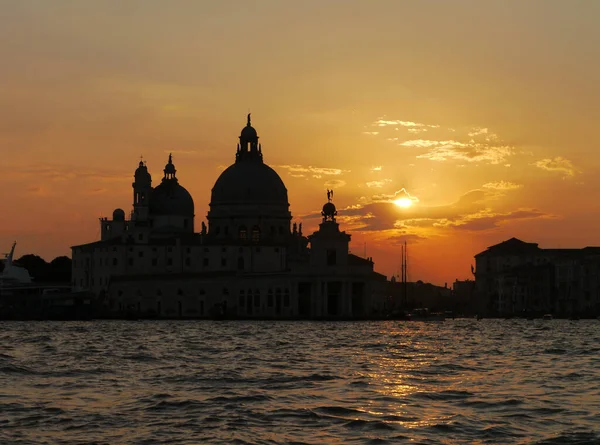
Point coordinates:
[(480, 115)]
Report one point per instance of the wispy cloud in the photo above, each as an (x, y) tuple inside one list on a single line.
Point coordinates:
[(378, 184), (502, 185), (335, 183), (377, 169), (558, 164), (394, 123), (477, 131), (467, 145), (302, 170)]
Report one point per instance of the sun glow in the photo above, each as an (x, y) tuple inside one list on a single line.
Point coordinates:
[(403, 202)]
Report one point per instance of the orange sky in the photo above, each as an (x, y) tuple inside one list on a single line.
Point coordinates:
[(485, 112)]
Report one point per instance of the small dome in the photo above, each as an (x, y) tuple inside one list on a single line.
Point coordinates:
[(170, 198), (329, 209), (249, 134), (119, 215)]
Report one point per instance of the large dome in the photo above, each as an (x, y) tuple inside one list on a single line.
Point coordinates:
[(249, 182), (170, 198)]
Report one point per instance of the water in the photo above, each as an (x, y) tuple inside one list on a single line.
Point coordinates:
[(201, 382)]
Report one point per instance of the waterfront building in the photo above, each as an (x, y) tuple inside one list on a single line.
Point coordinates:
[(247, 259), (515, 277)]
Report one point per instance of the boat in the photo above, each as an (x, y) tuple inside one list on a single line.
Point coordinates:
[(423, 314), (547, 317), (22, 298)]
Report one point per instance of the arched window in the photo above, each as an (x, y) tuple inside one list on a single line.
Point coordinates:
[(179, 292), (241, 263), (243, 233), (255, 234)]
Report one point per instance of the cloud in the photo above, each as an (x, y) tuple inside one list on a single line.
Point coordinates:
[(467, 145), (378, 184), (558, 164), (478, 131), (460, 151), (409, 238), (335, 183), (386, 123), (299, 169), (502, 185), (487, 219), (377, 169), (371, 133)]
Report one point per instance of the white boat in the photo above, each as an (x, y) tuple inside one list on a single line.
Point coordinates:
[(13, 275), (547, 317)]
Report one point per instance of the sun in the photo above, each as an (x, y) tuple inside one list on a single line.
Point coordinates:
[(403, 202)]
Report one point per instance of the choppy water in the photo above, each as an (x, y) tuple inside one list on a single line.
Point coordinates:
[(200, 382)]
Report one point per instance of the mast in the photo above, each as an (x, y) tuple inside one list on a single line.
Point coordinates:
[(404, 274)]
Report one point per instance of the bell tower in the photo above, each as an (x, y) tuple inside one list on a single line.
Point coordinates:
[(142, 187)]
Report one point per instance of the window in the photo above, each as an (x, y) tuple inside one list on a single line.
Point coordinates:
[(273, 231), (331, 257), (255, 234), (276, 249), (225, 291), (185, 223), (241, 299), (256, 299), (188, 262), (243, 233), (286, 298), (224, 249), (141, 237), (217, 230), (179, 292), (188, 250), (226, 230), (140, 253), (223, 262), (270, 298), (131, 261), (201, 292), (169, 261), (240, 263), (205, 262), (154, 262)]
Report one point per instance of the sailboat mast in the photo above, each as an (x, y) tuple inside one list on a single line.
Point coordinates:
[(405, 275)]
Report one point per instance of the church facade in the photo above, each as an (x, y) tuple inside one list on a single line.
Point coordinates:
[(246, 261)]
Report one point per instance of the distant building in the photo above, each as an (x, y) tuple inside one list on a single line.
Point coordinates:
[(248, 261), (515, 277)]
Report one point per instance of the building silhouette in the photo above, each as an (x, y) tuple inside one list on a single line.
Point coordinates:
[(516, 277), (247, 260)]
